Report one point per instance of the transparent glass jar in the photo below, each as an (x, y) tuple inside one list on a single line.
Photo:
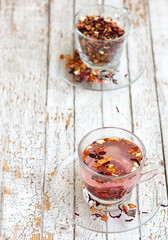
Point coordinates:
[(102, 54)]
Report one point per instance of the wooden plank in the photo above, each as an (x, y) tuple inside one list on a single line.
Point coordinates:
[(23, 94), (144, 104), (157, 20), (88, 116), (60, 112), (117, 112), (110, 118), (158, 15)]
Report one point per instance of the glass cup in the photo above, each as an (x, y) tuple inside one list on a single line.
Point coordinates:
[(102, 54), (111, 190)]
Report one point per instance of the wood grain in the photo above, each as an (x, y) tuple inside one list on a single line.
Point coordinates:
[(88, 116), (158, 14), (122, 118), (144, 99), (23, 96), (60, 130)]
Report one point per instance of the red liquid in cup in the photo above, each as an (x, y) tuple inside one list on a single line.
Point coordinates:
[(111, 157)]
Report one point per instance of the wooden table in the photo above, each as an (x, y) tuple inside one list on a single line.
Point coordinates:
[(43, 118)]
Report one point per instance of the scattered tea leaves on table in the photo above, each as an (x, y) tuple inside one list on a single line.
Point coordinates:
[(82, 73), (131, 205), (129, 220), (104, 218), (131, 213), (164, 205), (92, 209), (117, 216)]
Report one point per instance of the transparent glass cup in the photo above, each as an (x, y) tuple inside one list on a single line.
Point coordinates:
[(112, 190), (102, 54)]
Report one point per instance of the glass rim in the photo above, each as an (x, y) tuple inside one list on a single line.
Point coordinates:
[(113, 177), (98, 40)]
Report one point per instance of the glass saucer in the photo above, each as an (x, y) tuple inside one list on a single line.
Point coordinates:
[(121, 77), (69, 200)]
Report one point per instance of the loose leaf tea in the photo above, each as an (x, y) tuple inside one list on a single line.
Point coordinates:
[(99, 45), (104, 218), (97, 215), (164, 205), (129, 220), (131, 205), (82, 73), (125, 208), (92, 209), (113, 157), (99, 28), (117, 216), (131, 213)]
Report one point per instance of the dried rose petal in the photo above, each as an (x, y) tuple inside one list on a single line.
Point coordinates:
[(111, 169), (85, 153), (131, 205), (164, 205), (135, 160), (105, 160), (97, 165), (102, 153), (136, 148), (125, 208), (101, 211), (115, 81), (117, 216), (99, 157), (92, 155), (62, 56), (92, 209), (129, 220), (99, 149), (131, 213), (97, 215), (104, 218), (117, 109), (130, 150), (114, 139)]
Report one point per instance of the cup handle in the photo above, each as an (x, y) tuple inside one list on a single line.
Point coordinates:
[(146, 174)]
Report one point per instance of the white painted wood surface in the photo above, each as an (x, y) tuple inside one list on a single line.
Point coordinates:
[(36, 105)]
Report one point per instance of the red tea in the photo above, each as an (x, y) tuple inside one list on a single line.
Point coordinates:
[(111, 157)]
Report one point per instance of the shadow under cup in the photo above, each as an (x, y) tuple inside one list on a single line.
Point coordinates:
[(108, 190), (102, 54)]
